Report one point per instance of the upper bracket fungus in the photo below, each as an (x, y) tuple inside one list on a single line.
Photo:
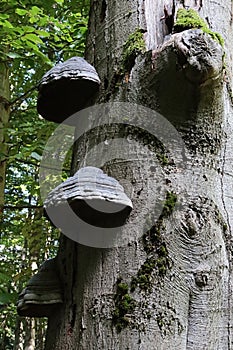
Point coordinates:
[(67, 88)]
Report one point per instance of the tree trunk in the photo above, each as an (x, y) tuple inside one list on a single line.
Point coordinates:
[(29, 341), (170, 285), (18, 342)]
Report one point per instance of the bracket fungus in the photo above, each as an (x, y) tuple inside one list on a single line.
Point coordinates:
[(66, 89), (42, 294), (94, 197)]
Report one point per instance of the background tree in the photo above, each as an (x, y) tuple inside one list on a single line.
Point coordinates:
[(172, 287), (34, 36)]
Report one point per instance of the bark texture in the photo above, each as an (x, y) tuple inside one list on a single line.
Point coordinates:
[(171, 287)]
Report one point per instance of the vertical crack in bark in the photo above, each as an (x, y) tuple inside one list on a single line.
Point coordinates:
[(73, 288), (222, 185), (72, 322), (103, 11), (138, 13), (228, 251), (228, 87), (188, 324)]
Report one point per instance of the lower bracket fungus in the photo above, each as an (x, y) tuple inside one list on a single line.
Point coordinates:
[(95, 198), (42, 294)]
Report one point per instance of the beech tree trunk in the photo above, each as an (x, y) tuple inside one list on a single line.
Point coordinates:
[(171, 286)]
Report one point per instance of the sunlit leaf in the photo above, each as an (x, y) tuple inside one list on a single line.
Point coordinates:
[(21, 12), (13, 55), (36, 156), (6, 298), (60, 2)]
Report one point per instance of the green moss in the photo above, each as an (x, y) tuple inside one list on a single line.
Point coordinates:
[(154, 245), (160, 262), (169, 204), (224, 227), (163, 250), (122, 288), (124, 305), (162, 265), (152, 238), (143, 278), (134, 45), (162, 158), (189, 19)]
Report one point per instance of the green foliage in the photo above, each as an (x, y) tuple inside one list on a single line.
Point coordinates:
[(34, 36), (189, 19), (134, 45), (42, 30)]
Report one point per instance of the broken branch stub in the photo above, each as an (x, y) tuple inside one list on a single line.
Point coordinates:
[(199, 56), (187, 74)]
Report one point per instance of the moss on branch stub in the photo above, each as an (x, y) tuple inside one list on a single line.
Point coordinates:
[(189, 19)]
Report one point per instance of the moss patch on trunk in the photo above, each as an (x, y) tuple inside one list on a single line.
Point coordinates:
[(133, 46), (124, 306)]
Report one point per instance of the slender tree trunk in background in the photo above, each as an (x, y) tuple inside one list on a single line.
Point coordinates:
[(171, 289), (4, 118), (29, 342), (18, 335), (40, 333)]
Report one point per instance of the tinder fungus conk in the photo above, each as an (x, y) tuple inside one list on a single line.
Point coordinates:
[(66, 89), (42, 294), (94, 197)]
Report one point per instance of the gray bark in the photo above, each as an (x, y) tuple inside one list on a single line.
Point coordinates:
[(179, 270)]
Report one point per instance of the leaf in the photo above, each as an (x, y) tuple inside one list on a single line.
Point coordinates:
[(6, 298), (35, 10), (4, 16), (13, 55), (21, 12), (6, 24), (33, 37), (32, 46), (4, 277), (36, 156), (43, 33), (28, 29)]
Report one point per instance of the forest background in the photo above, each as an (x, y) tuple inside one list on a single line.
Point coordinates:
[(34, 36)]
